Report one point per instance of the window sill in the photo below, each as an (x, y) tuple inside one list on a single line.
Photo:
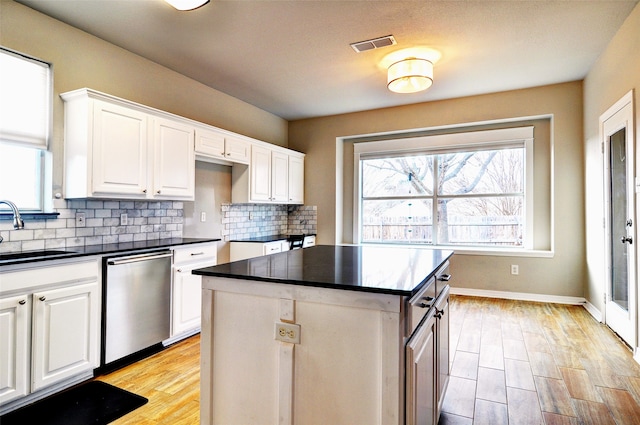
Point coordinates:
[(476, 250), (27, 216)]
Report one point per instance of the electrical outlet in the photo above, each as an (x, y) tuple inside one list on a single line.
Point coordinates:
[(81, 219), (250, 215), (203, 216), (515, 269), (123, 219), (287, 332)]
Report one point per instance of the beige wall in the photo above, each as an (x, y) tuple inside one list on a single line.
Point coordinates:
[(82, 60), (615, 73), (561, 275)]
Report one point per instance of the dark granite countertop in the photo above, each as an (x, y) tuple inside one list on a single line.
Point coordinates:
[(266, 239), (10, 258), (388, 270)]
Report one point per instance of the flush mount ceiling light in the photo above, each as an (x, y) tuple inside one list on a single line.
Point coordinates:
[(187, 4), (410, 75)]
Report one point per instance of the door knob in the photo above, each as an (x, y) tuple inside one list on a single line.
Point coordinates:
[(626, 239)]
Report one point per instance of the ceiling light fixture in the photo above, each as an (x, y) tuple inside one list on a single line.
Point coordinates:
[(187, 4), (410, 75)]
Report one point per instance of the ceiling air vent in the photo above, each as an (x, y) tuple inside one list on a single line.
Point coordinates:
[(375, 43)]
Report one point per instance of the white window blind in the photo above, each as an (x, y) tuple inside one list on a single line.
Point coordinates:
[(25, 100)]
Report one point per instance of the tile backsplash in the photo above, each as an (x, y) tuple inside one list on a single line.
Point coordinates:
[(243, 221), (146, 220)]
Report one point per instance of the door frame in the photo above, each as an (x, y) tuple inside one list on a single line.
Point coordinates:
[(623, 102)]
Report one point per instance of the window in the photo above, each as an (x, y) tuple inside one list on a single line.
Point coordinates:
[(25, 128), (21, 176), (469, 189)]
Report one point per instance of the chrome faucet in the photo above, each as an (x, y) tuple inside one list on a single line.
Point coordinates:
[(18, 223)]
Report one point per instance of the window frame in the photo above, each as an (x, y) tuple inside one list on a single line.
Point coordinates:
[(44, 161), (437, 144)]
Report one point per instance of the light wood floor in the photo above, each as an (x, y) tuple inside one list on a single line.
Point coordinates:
[(169, 379), (525, 363), (513, 362)]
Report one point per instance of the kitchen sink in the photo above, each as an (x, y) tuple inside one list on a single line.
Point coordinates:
[(32, 254)]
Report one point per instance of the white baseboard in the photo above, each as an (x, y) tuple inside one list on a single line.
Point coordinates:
[(593, 311), (521, 296)]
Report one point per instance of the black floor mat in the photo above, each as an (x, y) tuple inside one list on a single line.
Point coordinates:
[(94, 402)]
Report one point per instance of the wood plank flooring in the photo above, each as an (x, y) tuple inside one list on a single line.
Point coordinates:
[(169, 379), (520, 363), (513, 362)]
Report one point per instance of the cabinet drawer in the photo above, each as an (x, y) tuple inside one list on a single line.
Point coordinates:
[(272, 248), (191, 253), (50, 273)]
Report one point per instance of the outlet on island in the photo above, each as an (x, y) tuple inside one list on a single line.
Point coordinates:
[(287, 332)]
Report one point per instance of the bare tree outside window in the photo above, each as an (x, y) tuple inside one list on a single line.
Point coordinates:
[(478, 196)]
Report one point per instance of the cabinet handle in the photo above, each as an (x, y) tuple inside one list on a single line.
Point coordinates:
[(42, 298), (22, 302), (444, 278), (439, 313), (179, 270), (144, 190), (228, 154), (197, 253), (158, 191)]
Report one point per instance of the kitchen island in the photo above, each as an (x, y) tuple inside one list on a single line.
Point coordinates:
[(326, 335)]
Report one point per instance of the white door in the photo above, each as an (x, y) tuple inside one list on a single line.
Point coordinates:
[(260, 174), (621, 296), (66, 331), (14, 355), (119, 150), (279, 177), (187, 299), (296, 180), (174, 166)]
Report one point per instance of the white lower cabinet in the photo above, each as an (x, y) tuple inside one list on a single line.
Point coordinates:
[(49, 327), (187, 287), (15, 324), (244, 250), (64, 338)]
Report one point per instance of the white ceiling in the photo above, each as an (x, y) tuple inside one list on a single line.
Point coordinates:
[(293, 58)]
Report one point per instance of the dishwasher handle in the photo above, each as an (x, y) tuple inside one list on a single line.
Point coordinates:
[(137, 258)]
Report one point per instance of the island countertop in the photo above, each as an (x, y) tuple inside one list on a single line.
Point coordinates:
[(387, 270)]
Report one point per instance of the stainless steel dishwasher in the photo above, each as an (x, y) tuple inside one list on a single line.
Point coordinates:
[(137, 303)]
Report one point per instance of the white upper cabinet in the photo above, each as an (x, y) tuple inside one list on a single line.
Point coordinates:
[(260, 172), (217, 146), (174, 160), (119, 149), (296, 179), (279, 177), (266, 179)]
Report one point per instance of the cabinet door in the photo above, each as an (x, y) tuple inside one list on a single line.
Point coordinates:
[(209, 143), (421, 375), (296, 180), (119, 157), (442, 307), (279, 177), (174, 165), (66, 331), (237, 150), (260, 174), (14, 340), (187, 296)]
